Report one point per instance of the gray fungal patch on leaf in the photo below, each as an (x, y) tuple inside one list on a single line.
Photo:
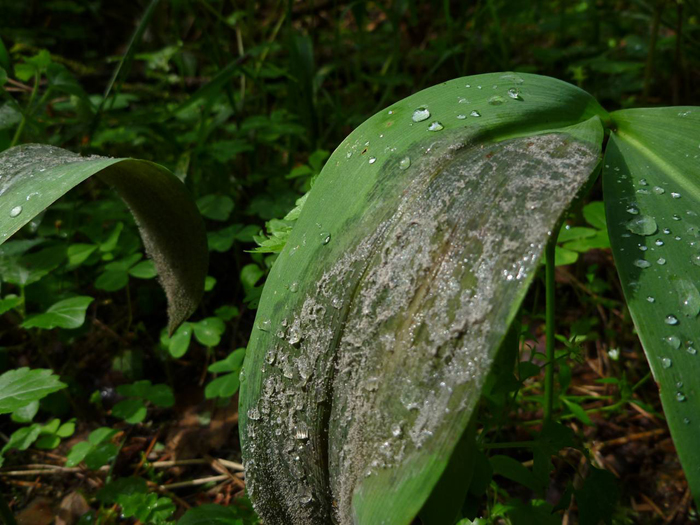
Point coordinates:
[(399, 330)]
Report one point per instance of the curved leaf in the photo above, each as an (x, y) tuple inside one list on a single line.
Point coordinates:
[(651, 182), (381, 317), (33, 176)]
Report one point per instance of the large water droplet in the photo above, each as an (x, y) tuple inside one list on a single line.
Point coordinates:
[(643, 182), (265, 325), (633, 210), (496, 100), (675, 195), (405, 163), (650, 299), (661, 261), (420, 115), (671, 319), (14, 212), (641, 263), (642, 225), (461, 117), (294, 287), (372, 160), (680, 397), (673, 342), (475, 113), (689, 297), (659, 190), (666, 362), (691, 350), (325, 237), (514, 93), (436, 126)]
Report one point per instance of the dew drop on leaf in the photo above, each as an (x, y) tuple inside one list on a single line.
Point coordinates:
[(691, 350), (633, 210), (671, 319), (514, 93), (643, 182), (666, 362), (641, 263), (680, 397), (676, 195), (659, 242), (372, 160), (661, 261), (659, 190), (642, 225), (405, 163), (689, 297), (14, 212), (650, 299), (436, 126), (674, 342), (325, 238), (294, 287), (496, 100), (695, 259), (475, 113), (420, 115), (461, 117)]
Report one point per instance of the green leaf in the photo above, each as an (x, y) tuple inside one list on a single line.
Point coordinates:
[(161, 396), (215, 207), (651, 182), (210, 514), (101, 435), (381, 316), (79, 253), (514, 470), (121, 487), (144, 270), (20, 387), (224, 386), (594, 213), (232, 363), (100, 455), (577, 411), (173, 232), (23, 438), (180, 341), (26, 413), (112, 280), (69, 313), (208, 331), (130, 410), (10, 302), (77, 453), (598, 497)]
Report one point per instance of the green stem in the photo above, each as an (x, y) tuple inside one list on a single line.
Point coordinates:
[(27, 111), (549, 325), (5, 513)]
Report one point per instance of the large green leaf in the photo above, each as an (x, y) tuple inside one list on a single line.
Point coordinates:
[(381, 317), (34, 176), (652, 194)]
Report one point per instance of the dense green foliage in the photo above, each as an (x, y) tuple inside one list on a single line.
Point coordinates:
[(244, 102)]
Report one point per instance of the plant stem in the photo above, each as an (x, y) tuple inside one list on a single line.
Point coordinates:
[(27, 111), (5, 513), (549, 324), (649, 69)]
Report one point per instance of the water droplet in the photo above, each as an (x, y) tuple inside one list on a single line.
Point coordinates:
[(496, 100), (633, 210), (463, 101), (676, 217), (294, 287), (673, 342), (676, 195), (420, 115), (650, 299), (686, 421), (405, 163), (689, 297), (348, 154), (659, 190), (642, 225), (461, 117), (643, 182), (294, 334), (253, 414), (643, 248), (514, 93), (469, 85), (475, 113), (478, 87), (671, 319), (436, 126), (680, 397), (306, 496), (666, 231), (659, 242), (265, 325), (325, 237), (666, 362), (14, 212), (661, 261), (372, 160), (396, 430), (691, 350), (641, 263), (695, 259)]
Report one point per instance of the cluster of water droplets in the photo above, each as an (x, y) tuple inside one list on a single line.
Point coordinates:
[(681, 291)]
